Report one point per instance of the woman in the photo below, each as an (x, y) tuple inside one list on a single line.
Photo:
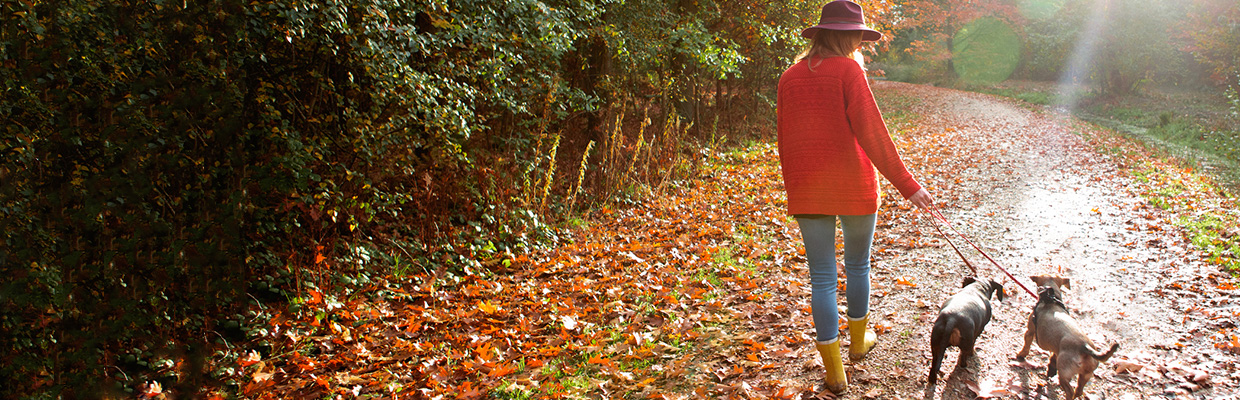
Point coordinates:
[(831, 139)]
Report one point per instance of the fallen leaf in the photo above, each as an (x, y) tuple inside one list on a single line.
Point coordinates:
[(1123, 367), (623, 376), (151, 390), (502, 370), (249, 359), (1233, 345), (989, 390), (972, 386)]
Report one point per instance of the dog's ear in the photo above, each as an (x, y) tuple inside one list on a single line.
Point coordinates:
[(1064, 283), (967, 280)]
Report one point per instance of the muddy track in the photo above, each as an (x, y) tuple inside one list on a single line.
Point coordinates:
[(1028, 187)]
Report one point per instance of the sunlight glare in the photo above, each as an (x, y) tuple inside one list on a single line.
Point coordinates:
[(1076, 72), (985, 51)]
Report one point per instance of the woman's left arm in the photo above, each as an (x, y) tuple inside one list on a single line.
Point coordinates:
[(872, 134)]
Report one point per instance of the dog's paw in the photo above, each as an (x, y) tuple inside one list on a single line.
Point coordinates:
[(1023, 364)]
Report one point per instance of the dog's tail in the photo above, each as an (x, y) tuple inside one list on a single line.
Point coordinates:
[(1104, 356), (940, 338)]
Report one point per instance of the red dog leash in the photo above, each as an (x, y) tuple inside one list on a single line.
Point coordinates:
[(940, 220)]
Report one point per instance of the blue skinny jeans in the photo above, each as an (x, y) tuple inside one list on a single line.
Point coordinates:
[(818, 233)]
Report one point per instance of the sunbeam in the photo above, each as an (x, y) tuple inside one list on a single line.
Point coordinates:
[(1083, 56)]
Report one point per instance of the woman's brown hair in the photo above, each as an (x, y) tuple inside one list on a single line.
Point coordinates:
[(831, 43)]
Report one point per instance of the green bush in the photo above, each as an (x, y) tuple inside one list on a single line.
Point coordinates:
[(159, 156)]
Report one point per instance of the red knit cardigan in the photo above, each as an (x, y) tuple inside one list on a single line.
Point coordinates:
[(831, 138)]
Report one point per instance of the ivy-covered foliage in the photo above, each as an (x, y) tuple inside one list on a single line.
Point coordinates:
[(164, 163)]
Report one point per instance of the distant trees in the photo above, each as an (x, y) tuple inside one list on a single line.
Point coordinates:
[(924, 31), (1123, 44), (1140, 45), (1212, 28)]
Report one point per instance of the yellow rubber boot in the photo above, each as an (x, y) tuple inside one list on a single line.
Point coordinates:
[(861, 339), (837, 381)]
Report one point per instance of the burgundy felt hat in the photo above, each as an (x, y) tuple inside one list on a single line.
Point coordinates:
[(843, 15)]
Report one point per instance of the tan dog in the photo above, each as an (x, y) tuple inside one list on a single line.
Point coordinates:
[(1072, 353)]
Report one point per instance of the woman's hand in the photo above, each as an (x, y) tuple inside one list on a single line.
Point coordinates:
[(922, 199)]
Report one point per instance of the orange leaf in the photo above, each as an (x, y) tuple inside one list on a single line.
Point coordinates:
[(907, 281), (315, 297), (595, 359), (485, 351), (752, 357), (487, 307), (249, 359), (502, 370), (1233, 345)]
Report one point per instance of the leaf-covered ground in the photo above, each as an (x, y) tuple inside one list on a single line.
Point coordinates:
[(702, 290)]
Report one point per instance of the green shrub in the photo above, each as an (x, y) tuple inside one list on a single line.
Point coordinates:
[(158, 157)]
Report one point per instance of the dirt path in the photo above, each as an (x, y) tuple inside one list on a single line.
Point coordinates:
[(1026, 186)]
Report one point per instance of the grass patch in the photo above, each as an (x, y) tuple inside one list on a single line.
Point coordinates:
[(726, 259), (1211, 230), (905, 336), (1025, 95), (1192, 127), (1217, 237)]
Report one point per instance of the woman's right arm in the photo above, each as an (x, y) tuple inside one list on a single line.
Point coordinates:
[(922, 199)]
